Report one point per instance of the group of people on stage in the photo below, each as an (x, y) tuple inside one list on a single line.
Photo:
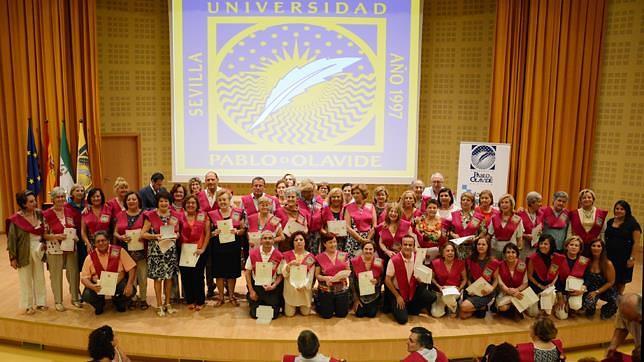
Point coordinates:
[(332, 249)]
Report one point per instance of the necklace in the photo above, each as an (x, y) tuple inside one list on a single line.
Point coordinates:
[(587, 214)]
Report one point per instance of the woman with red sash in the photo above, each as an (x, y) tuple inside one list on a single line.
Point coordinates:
[(194, 231), (512, 279), (162, 250), (96, 217), (178, 194), (481, 264), (380, 201), (75, 206), (292, 218), (308, 203), (506, 227), (544, 346), (333, 291), (430, 230), (57, 220), (588, 222), (408, 205), (361, 220), (226, 256), (556, 219), (485, 208), (542, 273), (532, 218), (366, 305), (392, 230), (410, 295), (448, 271), (446, 204), (600, 282), (130, 222), (263, 220), (194, 184), (333, 211), (267, 294), (322, 192), (26, 251), (280, 186), (298, 295), (117, 204), (571, 265), (465, 222)]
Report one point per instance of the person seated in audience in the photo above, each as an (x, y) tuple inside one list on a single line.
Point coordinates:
[(542, 274), (448, 271), (571, 265), (308, 345), (295, 295), (113, 259), (333, 291), (600, 282), (103, 346), (504, 352), (410, 295), (544, 347), (512, 279), (481, 264), (269, 294), (420, 346), (366, 305), (532, 218), (556, 219), (629, 320)]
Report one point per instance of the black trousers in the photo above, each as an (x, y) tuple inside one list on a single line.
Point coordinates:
[(272, 299), (119, 299), (209, 277), (423, 299), (192, 282), (368, 310), (330, 304)]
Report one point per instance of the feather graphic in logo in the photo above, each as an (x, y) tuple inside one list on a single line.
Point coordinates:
[(298, 80)]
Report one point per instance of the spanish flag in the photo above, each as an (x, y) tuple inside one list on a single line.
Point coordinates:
[(83, 174), (50, 165)]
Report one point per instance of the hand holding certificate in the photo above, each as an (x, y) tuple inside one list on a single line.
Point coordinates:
[(108, 283), (574, 284), (70, 240), (364, 283), (188, 257), (341, 275), (263, 273), (293, 226), (135, 242), (479, 286), (423, 273), (529, 298), (459, 241), (298, 276), (337, 227), (167, 232), (226, 234)]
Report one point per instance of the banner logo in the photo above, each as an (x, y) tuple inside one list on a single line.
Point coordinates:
[(483, 157)]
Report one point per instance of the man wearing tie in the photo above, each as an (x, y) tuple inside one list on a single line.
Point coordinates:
[(148, 193)]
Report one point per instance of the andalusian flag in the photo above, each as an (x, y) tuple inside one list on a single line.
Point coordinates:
[(66, 180), (83, 174), (50, 166), (33, 171)]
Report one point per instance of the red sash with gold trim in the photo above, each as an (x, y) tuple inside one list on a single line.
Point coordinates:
[(359, 266), (389, 240), (546, 274), (55, 226), (486, 272), (472, 227), (121, 222), (113, 259), (512, 280), (308, 260), (330, 268), (552, 220), (275, 258), (270, 225), (406, 283), (194, 233), (504, 233), (100, 223), (445, 277), (595, 230)]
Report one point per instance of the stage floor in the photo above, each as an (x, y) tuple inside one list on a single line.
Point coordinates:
[(227, 333)]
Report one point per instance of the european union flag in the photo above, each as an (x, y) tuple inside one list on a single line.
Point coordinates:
[(33, 172)]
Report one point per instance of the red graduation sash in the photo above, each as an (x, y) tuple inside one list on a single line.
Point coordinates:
[(193, 233), (330, 268), (55, 226), (275, 258), (302, 218), (156, 222), (362, 217), (528, 224), (359, 266), (504, 233), (121, 222), (543, 272), (204, 204), (388, 239), (100, 223), (472, 226), (24, 224), (406, 285), (595, 230), (578, 269), (308, 260), (235, 216), (113, 259), (512, 280), (270, 225), (315, 214), (552, 220), (115, 206), (486, 272), (445, 277)]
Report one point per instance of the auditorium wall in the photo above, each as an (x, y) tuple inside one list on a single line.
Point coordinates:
[(134, 81)]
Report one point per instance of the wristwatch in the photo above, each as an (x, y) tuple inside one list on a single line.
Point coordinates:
[(631, 258)]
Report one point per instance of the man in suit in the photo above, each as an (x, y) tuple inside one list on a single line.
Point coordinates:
[(148, 193)]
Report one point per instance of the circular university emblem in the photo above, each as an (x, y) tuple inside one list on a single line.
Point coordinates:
[(483, 157)]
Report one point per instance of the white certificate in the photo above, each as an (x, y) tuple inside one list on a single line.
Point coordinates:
[(53, 247), (264, 314), (108, 283), (547, 298), (165, 244), (293, 226), (364, 283), (529, 298), (459, 241), (254, 238), (341, 275), (298, 276), (423, 273), (506, 299), (135, 240), (574, 284), (536, 231), (478, 286), (337, 227), (226, 234), (450, 290), (188, 257), (263, 273), (70, 240), (167, 232)]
